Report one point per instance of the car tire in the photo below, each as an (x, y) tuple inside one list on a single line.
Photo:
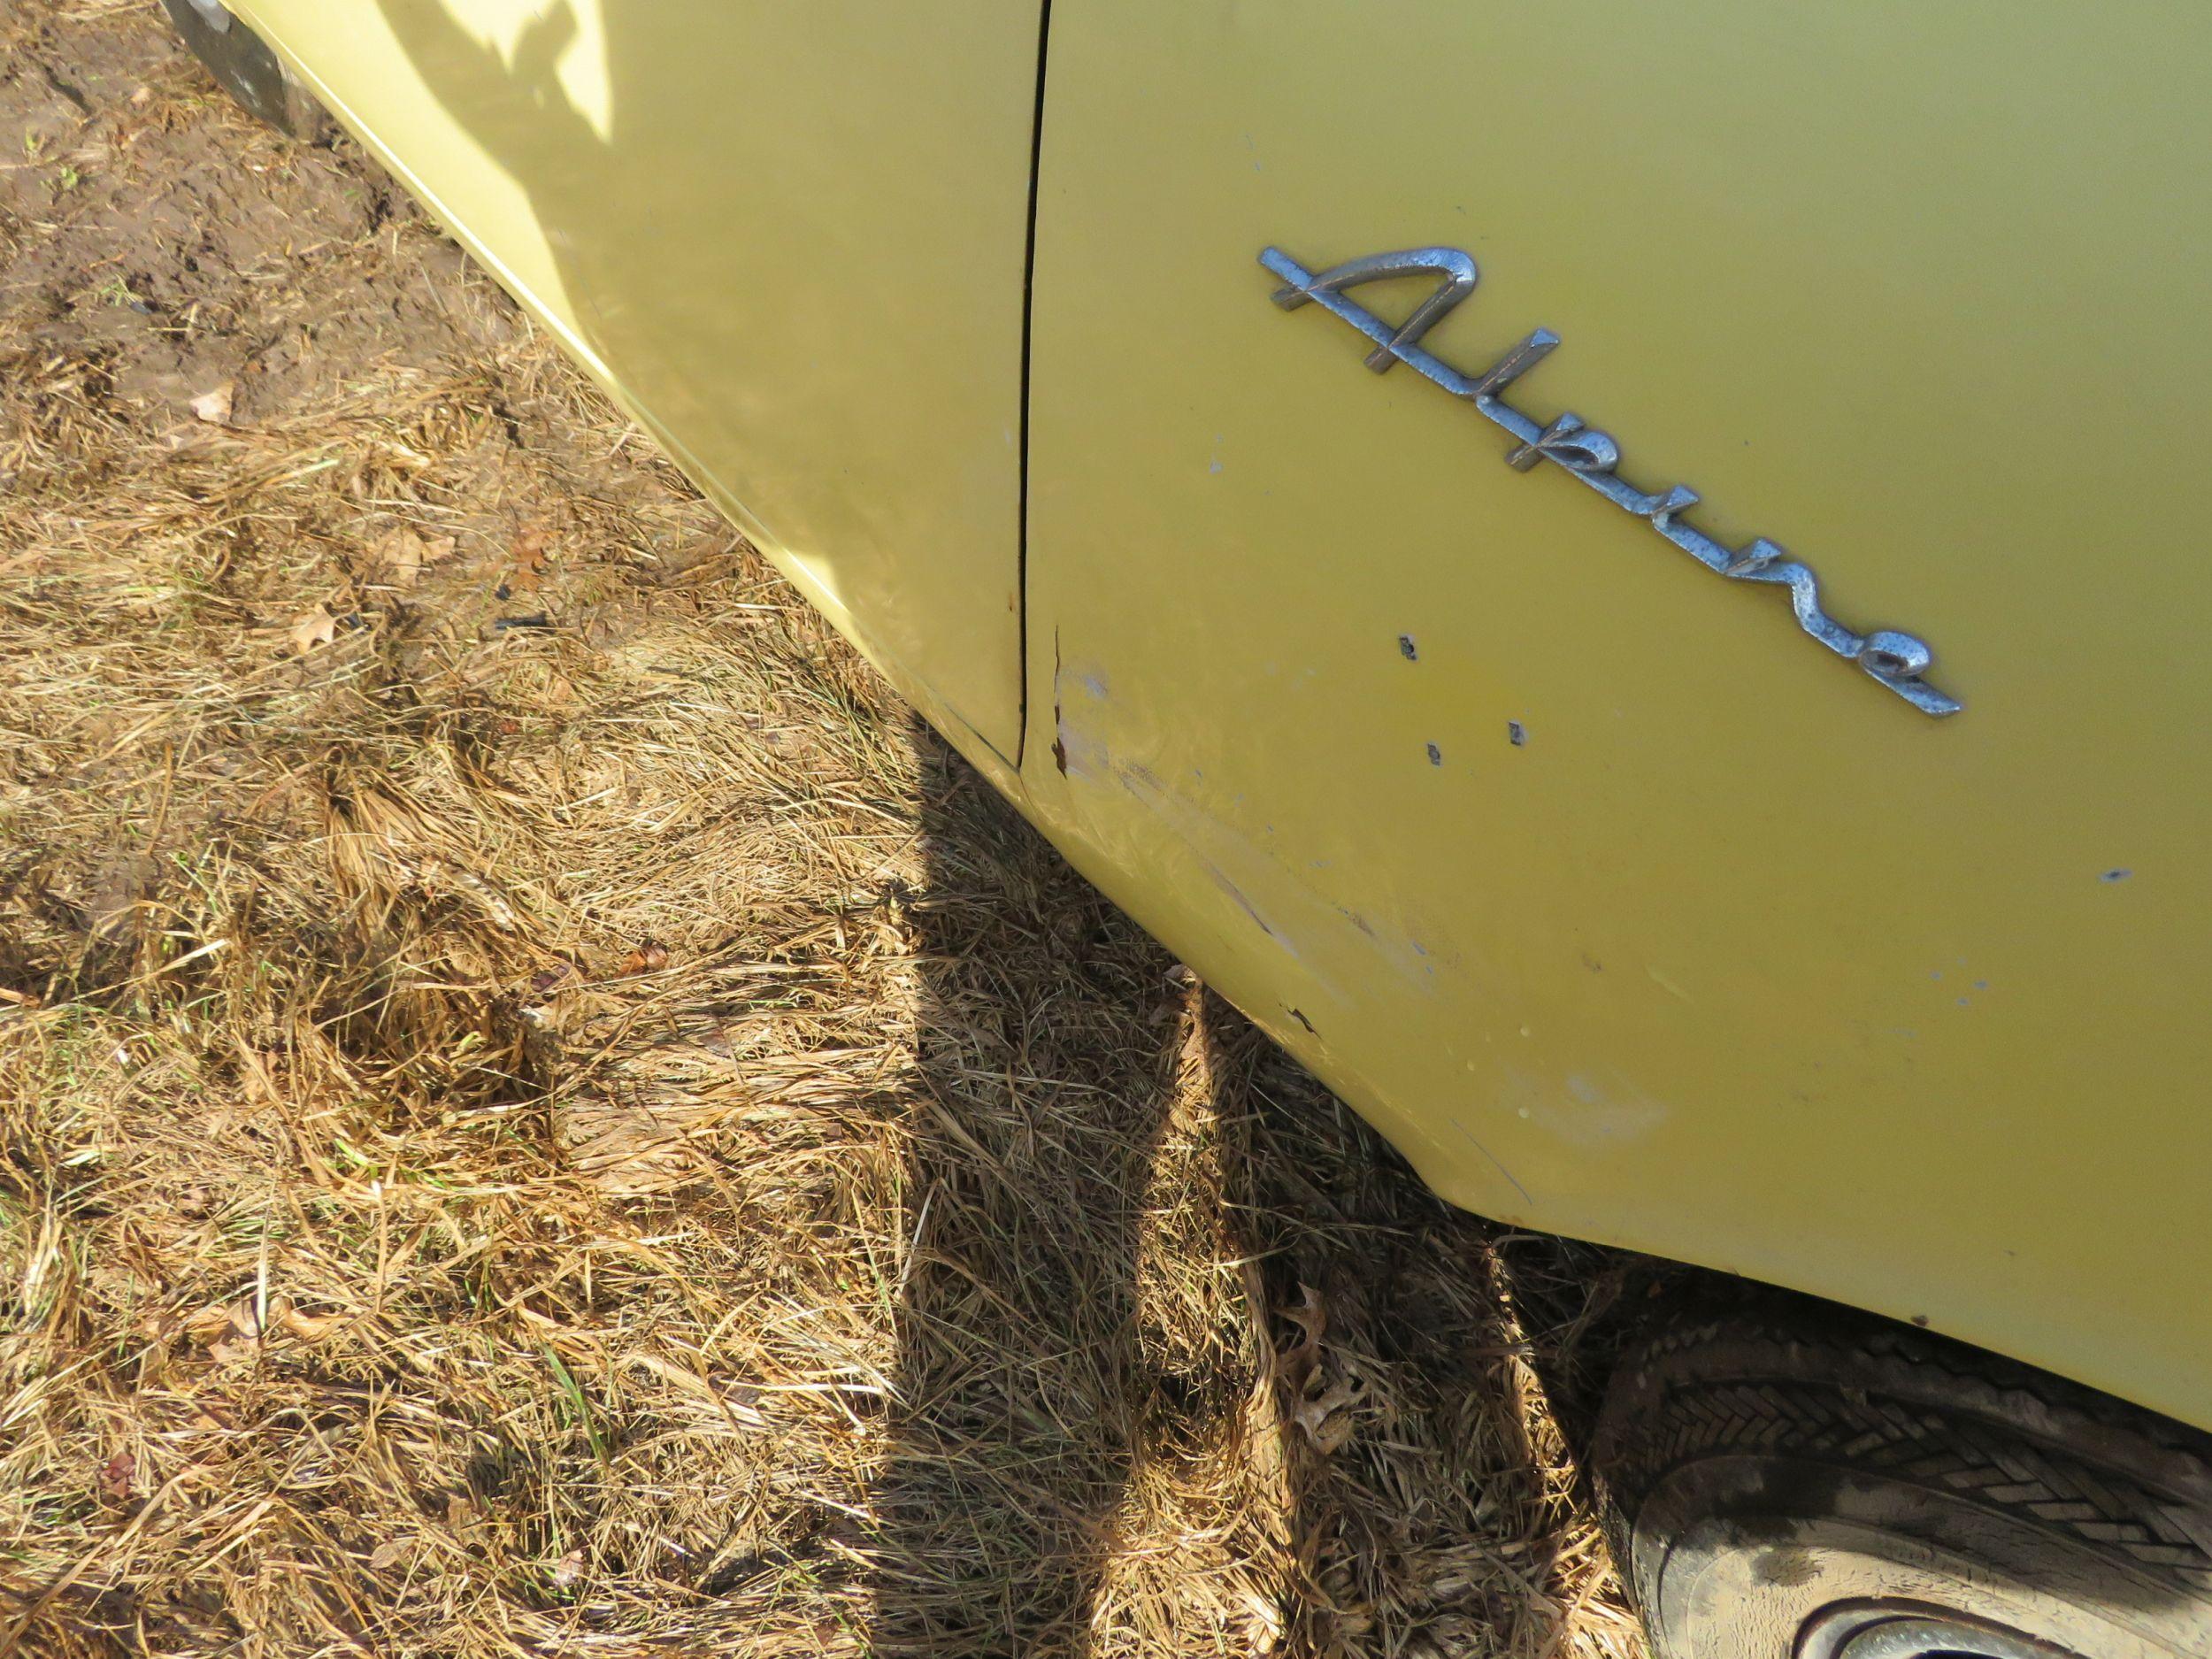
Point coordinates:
[(1793, 1481), (241, 62)]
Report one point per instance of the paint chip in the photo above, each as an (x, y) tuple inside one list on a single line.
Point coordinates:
[(2115, 875), (1518, 732), (1436, 755), (1405, 649)]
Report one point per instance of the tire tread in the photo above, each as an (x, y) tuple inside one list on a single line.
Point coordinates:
[(1862, 1395)]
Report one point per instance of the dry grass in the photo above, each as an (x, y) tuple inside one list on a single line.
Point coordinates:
[(603, 1137)]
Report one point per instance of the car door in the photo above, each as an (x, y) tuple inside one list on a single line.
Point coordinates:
[(793, 237), (1627, 907)]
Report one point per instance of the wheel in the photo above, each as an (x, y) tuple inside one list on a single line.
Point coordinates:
[(241, 61), (1807, 1483)]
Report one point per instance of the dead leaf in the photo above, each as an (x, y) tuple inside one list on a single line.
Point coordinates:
[(160, 1327), (116, 1474), (315, 627), (20, 999), (527, 559), (142, 97), (650, 956), (400, 557), (1312, 1317), (568, 1571), (204, 1324), (309, 1327), (390, 1552), (1327, 1417), (1317, 1405), (239, 1337), (553, 979), (235, 1347), (214, 407)]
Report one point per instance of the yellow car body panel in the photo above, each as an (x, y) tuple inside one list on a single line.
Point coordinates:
[(1617, 904), (798, 256), (1735, 956)]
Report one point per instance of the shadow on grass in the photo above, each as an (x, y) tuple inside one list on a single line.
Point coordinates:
[(1183, 1351)]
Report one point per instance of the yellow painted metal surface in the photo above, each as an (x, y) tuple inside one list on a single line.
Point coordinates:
[(1737, 957), (791, 237), (1734, 956)]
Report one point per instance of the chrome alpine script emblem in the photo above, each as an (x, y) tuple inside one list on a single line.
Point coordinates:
[(1897, 660)]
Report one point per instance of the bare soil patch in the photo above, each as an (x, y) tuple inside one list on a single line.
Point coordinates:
[(540, 1112)]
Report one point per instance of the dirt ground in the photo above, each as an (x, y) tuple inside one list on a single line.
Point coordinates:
[(541, 1112)]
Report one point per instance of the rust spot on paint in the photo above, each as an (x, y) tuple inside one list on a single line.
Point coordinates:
[(1059, 729)]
